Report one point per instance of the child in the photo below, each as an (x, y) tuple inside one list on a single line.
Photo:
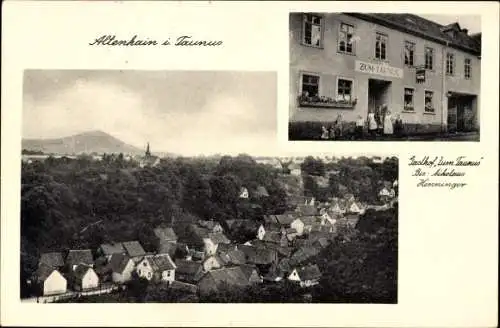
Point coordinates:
[(359, 127)]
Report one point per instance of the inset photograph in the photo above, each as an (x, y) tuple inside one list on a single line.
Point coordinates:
[(384, 77)]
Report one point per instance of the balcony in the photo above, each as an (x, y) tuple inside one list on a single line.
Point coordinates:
[(325, 102)]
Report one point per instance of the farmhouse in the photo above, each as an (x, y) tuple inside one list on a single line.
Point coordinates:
[(50, 280), (306, 276), (159, 267), (84, 278)]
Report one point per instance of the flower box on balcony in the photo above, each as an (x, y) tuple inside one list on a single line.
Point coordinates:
[(321, 102)]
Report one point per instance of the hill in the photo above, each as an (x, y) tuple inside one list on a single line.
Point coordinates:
[(87, 142)]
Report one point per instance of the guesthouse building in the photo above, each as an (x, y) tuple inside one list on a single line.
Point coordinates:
[(349, 63)]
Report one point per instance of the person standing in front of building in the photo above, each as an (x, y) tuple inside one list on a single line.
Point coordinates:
[(398, 126), (324, 132), (360, 123), (388, 127), (378, 119), (372, 123), (338, 126)]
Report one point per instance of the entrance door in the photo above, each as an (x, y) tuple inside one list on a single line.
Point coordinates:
[(452, 114), (378, 93), (460, 116)]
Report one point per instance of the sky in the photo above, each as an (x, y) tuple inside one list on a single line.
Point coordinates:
[(183, 112), (470, 22)]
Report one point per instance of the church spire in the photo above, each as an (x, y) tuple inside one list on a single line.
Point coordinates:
[(148, 152)]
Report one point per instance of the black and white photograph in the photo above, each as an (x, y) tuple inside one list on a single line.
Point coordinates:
[(384, 77), (165, 187)]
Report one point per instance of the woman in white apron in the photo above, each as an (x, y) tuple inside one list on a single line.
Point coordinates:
[(388, 127)]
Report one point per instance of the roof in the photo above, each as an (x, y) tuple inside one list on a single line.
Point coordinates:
[(261, 191), (161, 262), (309, 220), (309, 272), (113, 248), (44, 271), (261, 256), (79, 256), (307, 210), (188, 267), (233, 276), (248, 270), (52, 259), (285, 219), (272, 237), (419, 26), (303, 254), (166, 233), (118, 262), (80, 271), (291, 231), (134, 248), (218, 238), (209, 224)]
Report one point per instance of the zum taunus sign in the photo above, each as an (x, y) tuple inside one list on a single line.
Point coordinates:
[(420, 74)]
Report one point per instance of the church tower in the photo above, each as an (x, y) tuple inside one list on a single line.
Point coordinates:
[(148, 152)]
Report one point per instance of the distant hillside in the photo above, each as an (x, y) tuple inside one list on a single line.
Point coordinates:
[(87, 142)]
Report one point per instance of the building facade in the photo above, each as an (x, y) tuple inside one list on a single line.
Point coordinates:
[(350, 63)]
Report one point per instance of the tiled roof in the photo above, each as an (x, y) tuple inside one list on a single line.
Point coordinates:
[(303, 254), (310, 272), (285, 219), (44, 271), (272, 237), (53, 259), (186, 267), (424, 28), (233, 276), (261, 192), (118, 262), (134, 248), (80, 271), (81, 256), (218, 238), (162, 262), (114, 248), (307, 210)]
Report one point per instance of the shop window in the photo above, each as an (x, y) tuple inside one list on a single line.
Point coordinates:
[(311, 28), (408, 100)]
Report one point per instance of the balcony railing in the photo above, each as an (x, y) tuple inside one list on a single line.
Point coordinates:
[(325, 102)]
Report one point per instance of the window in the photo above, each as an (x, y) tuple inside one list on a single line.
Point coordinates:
[(310, 85), (168, 273), (409, 53), (346, 38), (429, 104), (429, 58), (450, 64), (408, 99), (344, 90), (381, 46), (467, 68), (311, 29)]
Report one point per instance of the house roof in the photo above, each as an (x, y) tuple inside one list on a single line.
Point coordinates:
[(419, 26), (303, 254), (309, 272), (307, 210), (218, 238), (79, 256), (261, 191), (134, 248), (233, 276), (291, 231), (166, 233), (309, 220), (248, 270), (52, 259), (118, 262), (44, 271), (272, 237), (113, 248), (209, 224), (190, 268), (80, 271), (284, 219), (270, 219), (161, 262)]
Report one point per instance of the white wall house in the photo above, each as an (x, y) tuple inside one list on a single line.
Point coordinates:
[(51, 282), (159, 267), (122, 271), (261, 232), (85, 278), (298, 225)]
